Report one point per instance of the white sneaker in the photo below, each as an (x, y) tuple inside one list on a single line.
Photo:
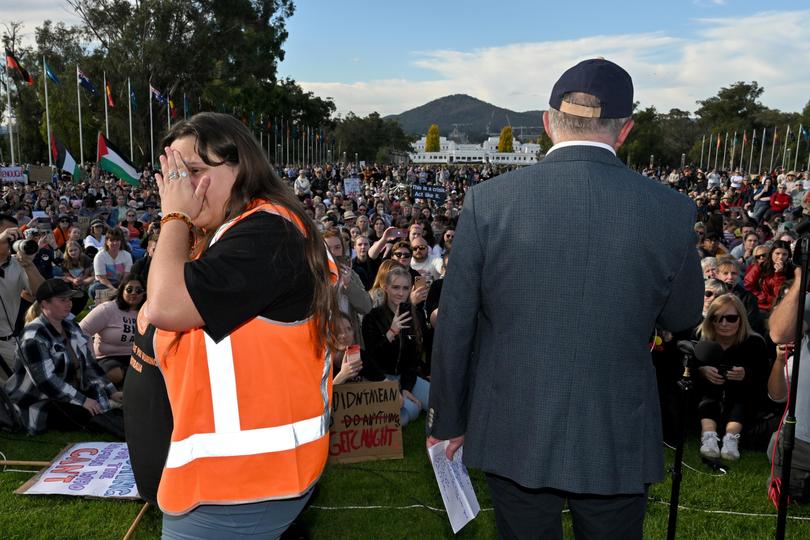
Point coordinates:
[(730, 451), (709, 446)]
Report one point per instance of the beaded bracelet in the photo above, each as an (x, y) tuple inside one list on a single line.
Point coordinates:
[(182, 216)]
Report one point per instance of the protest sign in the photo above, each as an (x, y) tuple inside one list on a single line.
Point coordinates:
[(12, 174), (39, 174), (83, 223), (436, 193), (92, 469), (351, 186), (365, 422)]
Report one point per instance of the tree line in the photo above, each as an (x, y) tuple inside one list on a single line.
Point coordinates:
[(202, 55)]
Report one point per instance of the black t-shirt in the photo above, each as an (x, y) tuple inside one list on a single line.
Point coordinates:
[(258, 267)]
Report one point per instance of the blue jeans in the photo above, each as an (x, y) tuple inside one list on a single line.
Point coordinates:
[(266, 519), (410, 410)]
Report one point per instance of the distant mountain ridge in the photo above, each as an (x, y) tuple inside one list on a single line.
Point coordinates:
[(460, 116)]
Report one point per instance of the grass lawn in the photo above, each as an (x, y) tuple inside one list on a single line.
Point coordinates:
[(410, 498)]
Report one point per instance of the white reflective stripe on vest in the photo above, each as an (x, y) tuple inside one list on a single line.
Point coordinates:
[(248, 442), (222, 377)]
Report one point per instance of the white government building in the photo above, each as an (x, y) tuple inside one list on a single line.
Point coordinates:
[(453, 152)]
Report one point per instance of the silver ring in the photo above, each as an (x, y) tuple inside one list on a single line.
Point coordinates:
[(183, 174), (172, 175)]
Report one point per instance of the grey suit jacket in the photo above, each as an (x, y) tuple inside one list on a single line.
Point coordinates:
[(558, 275)]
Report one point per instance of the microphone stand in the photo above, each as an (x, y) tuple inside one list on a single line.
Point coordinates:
[(685, 387), (789, 429)]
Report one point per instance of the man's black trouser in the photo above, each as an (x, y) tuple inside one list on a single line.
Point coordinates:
[(523, 513)]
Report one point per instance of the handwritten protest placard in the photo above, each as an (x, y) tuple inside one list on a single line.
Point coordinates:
[(39, 174), (351, 186), (92, 469), (365, 422)]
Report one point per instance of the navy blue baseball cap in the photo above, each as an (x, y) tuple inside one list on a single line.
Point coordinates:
[(598, 77)]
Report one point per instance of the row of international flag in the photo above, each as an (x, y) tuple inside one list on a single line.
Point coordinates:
[(799, 135), (83, 80)]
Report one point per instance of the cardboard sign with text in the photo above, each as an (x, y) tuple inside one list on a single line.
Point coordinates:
[(365, 422), (38, 174), (91, 469)]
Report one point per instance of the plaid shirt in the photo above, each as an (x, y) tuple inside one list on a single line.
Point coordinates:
[(43, 372)]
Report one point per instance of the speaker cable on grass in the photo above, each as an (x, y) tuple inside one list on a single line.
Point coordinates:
[(6, 469), (727, 512), (723, 471)]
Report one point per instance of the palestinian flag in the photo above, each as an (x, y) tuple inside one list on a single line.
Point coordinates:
[(14, 65), (64, 160), (110, 159)]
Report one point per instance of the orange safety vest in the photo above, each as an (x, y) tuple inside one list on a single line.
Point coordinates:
[(251, 413)]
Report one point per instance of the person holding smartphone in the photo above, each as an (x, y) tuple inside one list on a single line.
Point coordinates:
[(730, 382), (393, 335)]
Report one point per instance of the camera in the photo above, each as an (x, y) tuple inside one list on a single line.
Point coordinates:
[(28, 247)]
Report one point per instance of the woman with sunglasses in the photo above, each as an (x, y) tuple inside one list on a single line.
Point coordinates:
[(770, 270), (111, 325), (731, 378), (131, 224)]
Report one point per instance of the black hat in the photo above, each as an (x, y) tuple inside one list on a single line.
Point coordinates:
[(52, 288), (96, 222), (598, 77)]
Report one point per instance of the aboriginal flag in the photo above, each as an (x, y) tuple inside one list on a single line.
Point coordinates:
[(14, 66)]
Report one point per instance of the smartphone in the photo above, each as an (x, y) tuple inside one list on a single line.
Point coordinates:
[(401, 233), (420, 282)]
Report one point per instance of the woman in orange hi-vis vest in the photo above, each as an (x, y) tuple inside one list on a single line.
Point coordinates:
[(234, 339)]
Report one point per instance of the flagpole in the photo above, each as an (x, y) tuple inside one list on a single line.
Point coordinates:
[(787, 138), (106, 116), (47, 113), (733, 151), (773, 149), (79, 102), (742, 152), (709, 157), (762, 149), (751, 154), (129, 100), (151, 128), (716, 151), (168, 111), (725, 145), (798, 143), (8, 118)]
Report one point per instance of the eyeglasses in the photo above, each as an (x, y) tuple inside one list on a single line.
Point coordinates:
[(133, 290), (419, 248), (708, 294), (731, 319), (130, 215), (64, 221), (761, 256), (401, 255)]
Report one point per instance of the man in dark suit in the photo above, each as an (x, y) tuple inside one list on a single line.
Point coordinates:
[(541, 362)]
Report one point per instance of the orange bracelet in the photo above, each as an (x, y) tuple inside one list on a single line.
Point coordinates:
[(182, 216)]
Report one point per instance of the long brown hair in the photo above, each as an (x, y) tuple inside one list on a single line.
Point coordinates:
[(221, 139)]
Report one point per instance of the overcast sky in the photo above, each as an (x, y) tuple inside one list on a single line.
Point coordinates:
[(372, 55)]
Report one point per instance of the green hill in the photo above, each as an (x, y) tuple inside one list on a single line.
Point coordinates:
[(461, 116)]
